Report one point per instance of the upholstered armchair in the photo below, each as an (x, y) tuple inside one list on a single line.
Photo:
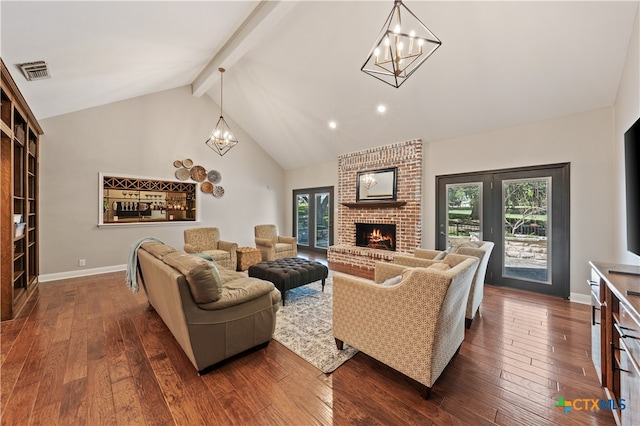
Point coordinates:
[(207, 241), (416, 325), (274, 246), (480, 249)]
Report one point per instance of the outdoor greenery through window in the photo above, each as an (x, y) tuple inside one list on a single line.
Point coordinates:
[(525, 204), (303, 219), (464, 212), (526, 219), (322, 220)]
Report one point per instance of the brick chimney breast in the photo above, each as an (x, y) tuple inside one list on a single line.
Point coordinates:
[(407, 157)]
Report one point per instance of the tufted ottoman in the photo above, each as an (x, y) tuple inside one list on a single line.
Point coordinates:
[(290, 272)]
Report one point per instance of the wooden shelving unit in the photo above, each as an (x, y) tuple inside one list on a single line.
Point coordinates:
[(19, 174)]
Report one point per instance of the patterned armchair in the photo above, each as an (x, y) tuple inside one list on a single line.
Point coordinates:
[(274, 246), (207, 241), (415, 326), (480, 249)]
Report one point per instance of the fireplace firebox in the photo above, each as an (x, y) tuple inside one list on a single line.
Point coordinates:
[(380, 236)]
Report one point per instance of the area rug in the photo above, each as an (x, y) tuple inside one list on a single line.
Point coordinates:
[(304, 326)]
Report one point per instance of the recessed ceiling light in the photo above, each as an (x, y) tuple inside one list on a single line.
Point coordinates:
[(382, 108), (333, 124)]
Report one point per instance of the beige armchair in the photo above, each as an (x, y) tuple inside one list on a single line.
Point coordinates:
[(274, 246), (207, 241), (480, 249), (415, 326)]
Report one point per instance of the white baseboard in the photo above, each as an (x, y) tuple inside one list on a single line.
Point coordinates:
[(580, 298), (81, 273)]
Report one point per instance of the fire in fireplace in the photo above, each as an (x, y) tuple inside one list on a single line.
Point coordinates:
[(380, 236)]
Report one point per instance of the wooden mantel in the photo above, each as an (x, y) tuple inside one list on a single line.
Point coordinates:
[(375, 204)]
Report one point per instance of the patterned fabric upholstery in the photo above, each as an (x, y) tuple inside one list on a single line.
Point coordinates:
[(274, 246), (482, 252), (415, 326), (207, 241), (480, 249)]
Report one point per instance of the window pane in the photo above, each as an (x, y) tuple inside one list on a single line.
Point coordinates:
[(526, 229), (322, 220), (302, 209), (464, 213)]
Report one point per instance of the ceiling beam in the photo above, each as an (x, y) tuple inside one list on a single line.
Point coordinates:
[(259, 22)]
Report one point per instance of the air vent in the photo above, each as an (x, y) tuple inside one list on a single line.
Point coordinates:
[(35, 70)]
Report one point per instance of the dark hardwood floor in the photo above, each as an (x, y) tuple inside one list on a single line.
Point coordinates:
[(87, 351)]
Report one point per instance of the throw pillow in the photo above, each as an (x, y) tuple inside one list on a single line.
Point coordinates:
[(392, 281), (439, 266), (440, 255), (202, 276)]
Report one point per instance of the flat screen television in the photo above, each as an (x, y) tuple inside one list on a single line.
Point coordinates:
[(632, 184)]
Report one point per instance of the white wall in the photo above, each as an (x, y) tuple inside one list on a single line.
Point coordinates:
[(143, 136), (627, 111)]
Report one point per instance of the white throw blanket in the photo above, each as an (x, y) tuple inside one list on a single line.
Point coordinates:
[(131, 278)]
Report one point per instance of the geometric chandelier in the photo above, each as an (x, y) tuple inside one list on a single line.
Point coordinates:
[(403, 44), (221, 139), (369, 180)]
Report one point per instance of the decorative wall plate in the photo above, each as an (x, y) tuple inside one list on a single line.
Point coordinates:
[(218, 192), (183, 174), (198, 173), (214, 176), (206, 187), (177, 164), (187, 162)]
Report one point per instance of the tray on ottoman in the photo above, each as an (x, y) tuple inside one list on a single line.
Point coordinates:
[(290, 272)]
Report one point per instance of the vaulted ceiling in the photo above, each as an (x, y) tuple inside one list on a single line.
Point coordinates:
[(293, 66)]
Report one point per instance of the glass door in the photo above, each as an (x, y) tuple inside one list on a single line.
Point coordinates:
[(526, 217), (524, 211), (313, 218)]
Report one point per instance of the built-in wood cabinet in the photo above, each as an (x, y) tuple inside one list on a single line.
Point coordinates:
[(615, 330), (19, 173)]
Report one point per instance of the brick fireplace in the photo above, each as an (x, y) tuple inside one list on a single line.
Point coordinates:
[(405, 214), (380, 236)]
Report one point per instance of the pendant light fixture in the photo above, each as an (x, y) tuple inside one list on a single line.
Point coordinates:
[(403, 44), (221, 139)]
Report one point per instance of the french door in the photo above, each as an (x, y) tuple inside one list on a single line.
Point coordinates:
[(313, 218), (524, 211)]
